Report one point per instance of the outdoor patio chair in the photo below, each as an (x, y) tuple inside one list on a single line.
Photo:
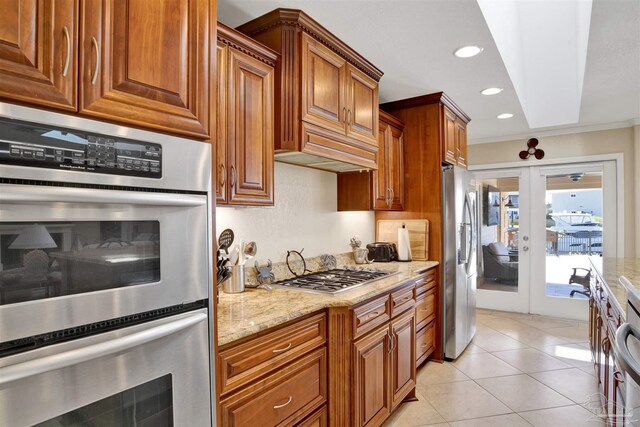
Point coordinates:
[(582, 279)]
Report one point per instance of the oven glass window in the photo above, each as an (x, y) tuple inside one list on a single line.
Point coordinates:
[(52, 259), (147, 405)]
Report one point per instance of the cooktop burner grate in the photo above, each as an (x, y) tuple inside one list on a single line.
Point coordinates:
[(336, 280)]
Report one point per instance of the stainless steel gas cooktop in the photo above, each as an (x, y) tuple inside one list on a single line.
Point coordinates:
[(336, 280)]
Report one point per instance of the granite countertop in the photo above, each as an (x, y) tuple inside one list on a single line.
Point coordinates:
[(611, 270), (254, 310)]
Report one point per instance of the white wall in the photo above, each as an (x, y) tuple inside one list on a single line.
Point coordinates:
[(304, 216)]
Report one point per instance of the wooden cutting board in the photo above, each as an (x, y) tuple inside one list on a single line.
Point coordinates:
[(387, 231)]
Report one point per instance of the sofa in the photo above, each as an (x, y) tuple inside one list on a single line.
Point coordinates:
[(498, 264)]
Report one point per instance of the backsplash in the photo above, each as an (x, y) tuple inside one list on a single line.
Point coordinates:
[(304, 216)]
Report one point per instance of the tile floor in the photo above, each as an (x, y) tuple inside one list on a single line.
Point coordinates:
[(519, 370)]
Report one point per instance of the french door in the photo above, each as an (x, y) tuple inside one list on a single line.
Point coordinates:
[(504, 240), (538, 227)]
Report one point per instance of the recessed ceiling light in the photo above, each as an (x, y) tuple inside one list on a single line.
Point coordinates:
[(505, 116), (491, 91), (467, 51)]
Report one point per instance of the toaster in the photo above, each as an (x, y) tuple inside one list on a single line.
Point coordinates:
[(382, 252)]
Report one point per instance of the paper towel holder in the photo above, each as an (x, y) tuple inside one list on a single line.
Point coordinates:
[(404, 244)]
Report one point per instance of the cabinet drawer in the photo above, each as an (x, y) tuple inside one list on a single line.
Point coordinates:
[(317, 419), (369, 315), (283, 399), (426, 282), (253, 359), (402, 300), (426, 308), (425, 342)]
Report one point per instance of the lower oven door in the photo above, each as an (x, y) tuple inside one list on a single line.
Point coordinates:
[(154, 374), (76, 256)]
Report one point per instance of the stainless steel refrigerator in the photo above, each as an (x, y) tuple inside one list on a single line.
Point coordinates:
[(459, 273)]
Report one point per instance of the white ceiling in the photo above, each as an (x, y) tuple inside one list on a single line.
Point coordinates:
[(412, 41)]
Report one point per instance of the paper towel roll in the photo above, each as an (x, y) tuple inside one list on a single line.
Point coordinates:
[(404, 244)]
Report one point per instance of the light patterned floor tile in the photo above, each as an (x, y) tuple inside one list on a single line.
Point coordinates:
[(571, 354), (483, 365), (572, 383), (523, 393), (437, 373), (509, 420), (415, 414), (462, 400), (495, 341), (566, 416), (530, 360)]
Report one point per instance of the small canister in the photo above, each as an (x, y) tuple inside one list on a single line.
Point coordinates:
[(235, 283)]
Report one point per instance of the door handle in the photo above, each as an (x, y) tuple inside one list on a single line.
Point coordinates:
[(525, 248), (94, 43), (67, 38), (223, 175), (349, 120), (344, 114), (233, 176)]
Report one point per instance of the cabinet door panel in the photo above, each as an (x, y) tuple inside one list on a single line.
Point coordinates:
[(371, 378), (362, 106), (380, 184), (322, 86), (38, 52), (147, 63), (221, 171), (403, 367), (449, 143), (250, 130), (461, 143), (396, 168)]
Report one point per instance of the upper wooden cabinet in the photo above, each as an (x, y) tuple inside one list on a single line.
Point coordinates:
[(326, 94), (382, 189), (144, 63), (39, 52), (244, 120)]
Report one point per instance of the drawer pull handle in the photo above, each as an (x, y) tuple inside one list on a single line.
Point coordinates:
[(425, 345), (280, 350), (425, 309), (403, 300), (284, 404), (370, 316)]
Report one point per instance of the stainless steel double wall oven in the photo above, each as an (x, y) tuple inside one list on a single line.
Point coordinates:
[(105, 276)]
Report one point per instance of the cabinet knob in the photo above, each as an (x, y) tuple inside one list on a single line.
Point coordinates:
[(67, 38)]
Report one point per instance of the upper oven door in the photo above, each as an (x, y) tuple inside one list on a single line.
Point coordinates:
[(73, 256)]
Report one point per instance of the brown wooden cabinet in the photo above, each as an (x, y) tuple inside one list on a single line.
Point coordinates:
[(326, 94), (244, 120), (372, 354), (382, 189), (278, 377), (605, 317), (427, 320), (141, 63), (38, 52)]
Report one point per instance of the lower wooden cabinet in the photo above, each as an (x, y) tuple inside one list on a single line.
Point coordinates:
[(284, 398), (278, 378), (403, 356), (371, 377), (427, 320), (604, 319)]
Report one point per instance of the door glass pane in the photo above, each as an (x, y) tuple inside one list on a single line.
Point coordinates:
[(147, 405), (499, 220), (52, 259), (573, 231)]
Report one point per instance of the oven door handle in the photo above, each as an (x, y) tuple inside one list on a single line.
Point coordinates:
[(31, 368), (621, 350), (32, 194)]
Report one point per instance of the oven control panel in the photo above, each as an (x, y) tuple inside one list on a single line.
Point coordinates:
[(35, 145)]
